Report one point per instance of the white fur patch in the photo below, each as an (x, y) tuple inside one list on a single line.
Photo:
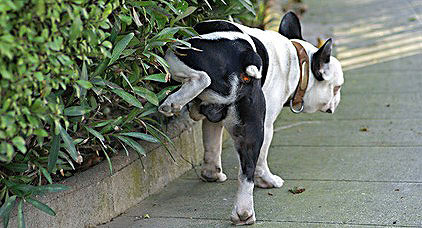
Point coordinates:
[(227, 35), (243, 211), (253, 71), (208, 96)]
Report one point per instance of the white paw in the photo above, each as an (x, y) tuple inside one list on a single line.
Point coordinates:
[(169, 109), (243, 215), (212, 175), (268, 181)]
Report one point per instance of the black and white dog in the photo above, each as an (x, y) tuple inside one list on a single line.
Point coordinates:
[(240, 78)]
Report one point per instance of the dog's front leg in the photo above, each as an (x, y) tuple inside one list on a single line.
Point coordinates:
[(212, 134), (263, 176), (193, 83)]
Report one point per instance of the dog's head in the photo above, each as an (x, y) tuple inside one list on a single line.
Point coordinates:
[(325, 73)]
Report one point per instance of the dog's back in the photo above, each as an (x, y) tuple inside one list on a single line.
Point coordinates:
[(223, 52)]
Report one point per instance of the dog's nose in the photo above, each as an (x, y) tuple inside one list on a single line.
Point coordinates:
[(329, 111)]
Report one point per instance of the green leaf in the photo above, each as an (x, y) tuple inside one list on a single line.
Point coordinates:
[(84, 84), (156, 133), (97, 134), (75, 111), (142, 136), (119, 47), (76, 29), (19, 142), (166, 91), (16, 167), (132, 143), (49, 188), (46, 175), (248, 5), (136, 17), (151, 128), (21, 218), (53, 153), (6, 149), (166, 33), (40, 133), (126, 79), (41, 206), (126, 19), (84, 77), (68, 142), (110, 166), (101, 68), (102, 124), (129, 98), (107, 44), (187, 12), (156, 77), (160, 60), (8, 204), (147, 94), (148, 110)]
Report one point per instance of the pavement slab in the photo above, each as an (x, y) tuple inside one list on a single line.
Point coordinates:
[(323, 202), (360, 167), (360, 164)]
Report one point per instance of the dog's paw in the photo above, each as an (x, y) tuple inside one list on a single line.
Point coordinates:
[(245, 216), (213, 175), (169, 109), (268, 181)]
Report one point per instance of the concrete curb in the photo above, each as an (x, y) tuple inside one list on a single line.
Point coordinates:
[(97, 197)]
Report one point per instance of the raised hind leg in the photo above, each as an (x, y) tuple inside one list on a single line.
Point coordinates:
[(193, 83)]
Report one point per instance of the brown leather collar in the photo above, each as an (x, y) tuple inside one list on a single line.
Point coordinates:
[(297, 99)]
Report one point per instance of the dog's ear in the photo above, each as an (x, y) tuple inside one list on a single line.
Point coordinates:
[(290, 26), (321, 58)]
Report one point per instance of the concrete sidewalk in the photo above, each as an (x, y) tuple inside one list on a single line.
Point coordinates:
[(361, 166)]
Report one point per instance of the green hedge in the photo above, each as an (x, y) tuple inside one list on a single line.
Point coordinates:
[(82, 79)]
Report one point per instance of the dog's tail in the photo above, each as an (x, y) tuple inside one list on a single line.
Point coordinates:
[(252, 64)]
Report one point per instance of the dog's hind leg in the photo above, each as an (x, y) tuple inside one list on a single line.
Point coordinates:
[(247, 130), (192, 86), (212, 134), (193, 83)]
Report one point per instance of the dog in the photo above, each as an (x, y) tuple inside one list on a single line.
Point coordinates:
[(240, 78)]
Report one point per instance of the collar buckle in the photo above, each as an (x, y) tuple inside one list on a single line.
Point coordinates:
[(297, 98)]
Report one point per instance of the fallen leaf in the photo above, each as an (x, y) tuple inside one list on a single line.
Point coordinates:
[(364, 129), (297, 190)]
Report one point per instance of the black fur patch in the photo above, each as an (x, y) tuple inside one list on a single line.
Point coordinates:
[(262, 52), (321, 57), (248, 134), (214, 112), (290, 26), (215, 26), (218, 58)]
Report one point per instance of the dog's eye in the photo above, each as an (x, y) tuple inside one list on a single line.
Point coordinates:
[(336, 89)]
